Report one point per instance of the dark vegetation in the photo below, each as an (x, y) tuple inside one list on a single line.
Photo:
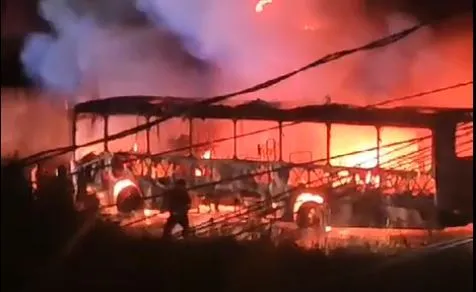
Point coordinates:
[(36, 231)]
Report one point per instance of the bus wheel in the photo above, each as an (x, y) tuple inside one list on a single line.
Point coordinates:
[(129, 199), (310, 215)]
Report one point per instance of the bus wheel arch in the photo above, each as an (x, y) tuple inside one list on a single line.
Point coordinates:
[(311, 215)]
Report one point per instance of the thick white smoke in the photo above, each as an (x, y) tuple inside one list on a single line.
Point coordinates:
[(108, 47), (105, 48), (59, 62)]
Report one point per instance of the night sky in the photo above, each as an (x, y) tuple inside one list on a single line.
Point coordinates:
[(19, 17)]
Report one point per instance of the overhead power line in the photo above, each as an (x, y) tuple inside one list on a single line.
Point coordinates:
[(411, 141), (221, 140), (251, 209), (401, 161), (36, 158), (293, 165), (379, 43), (467, 129), (424, 93), (260, 206)]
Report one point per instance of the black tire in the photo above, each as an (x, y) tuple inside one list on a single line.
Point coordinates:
[(311, 215)]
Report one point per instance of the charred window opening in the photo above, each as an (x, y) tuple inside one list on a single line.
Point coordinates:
[(349, 139), (258, 140), (214, 137), (304, 142), (411, 150)]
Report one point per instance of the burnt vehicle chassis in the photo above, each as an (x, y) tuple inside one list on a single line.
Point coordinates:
[(444, 202)]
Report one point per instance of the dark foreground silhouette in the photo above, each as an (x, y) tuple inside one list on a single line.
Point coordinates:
[(36, 231)]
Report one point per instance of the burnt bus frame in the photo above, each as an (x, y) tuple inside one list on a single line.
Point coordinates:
[(442, 122)]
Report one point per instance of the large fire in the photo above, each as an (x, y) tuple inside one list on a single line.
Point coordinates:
[(304, 142)]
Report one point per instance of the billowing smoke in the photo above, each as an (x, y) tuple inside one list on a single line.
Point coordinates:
[(199, 48), (160, 47), (123, 47), (103, 48)]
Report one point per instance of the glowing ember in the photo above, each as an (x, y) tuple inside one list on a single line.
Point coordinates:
[(261, 4), (198, 172), (307, 197), (207, 154)]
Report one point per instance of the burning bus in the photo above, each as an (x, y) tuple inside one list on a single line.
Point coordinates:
[(316, 165)]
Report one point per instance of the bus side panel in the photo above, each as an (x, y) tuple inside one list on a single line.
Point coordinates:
[(454, 179)]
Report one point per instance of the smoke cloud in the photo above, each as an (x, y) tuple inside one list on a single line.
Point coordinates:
[(107, 48), (104, 48), (198, 48)]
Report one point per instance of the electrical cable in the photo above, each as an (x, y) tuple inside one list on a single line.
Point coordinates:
[(382, 155), (254, 209), (244, 176), (379, 43), (250, 209), (424, 93), (278, 196), (254, 174), (387, 101), (411, 156), (289, 166), (329, 58), (260, 205)]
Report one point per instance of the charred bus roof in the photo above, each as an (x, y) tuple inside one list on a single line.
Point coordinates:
[(152, 106)]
